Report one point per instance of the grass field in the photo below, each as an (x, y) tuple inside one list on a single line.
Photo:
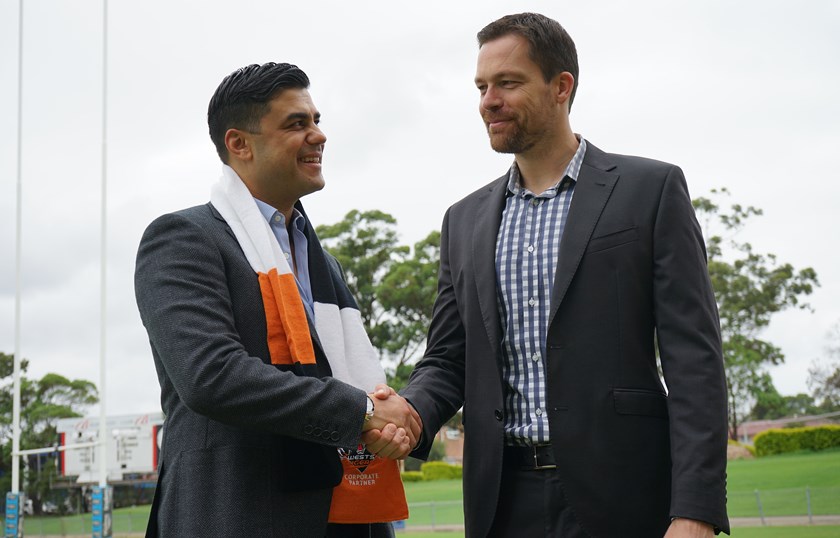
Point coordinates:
[(780, 480), (754, 532)]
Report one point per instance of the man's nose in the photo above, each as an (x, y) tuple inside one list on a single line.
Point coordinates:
[(316, 136), (491, 99)]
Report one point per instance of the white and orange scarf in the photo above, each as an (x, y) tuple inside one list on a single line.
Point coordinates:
[(370, 489)]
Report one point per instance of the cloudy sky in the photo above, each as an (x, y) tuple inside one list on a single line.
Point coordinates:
[(739, 94)]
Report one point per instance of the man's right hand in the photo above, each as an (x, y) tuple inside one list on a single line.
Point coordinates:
[(395, 427)]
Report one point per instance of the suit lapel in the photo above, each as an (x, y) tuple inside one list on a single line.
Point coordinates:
[(594, 186), (487, 222)]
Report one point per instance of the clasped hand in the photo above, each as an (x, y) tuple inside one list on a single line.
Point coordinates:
[(395, 427)]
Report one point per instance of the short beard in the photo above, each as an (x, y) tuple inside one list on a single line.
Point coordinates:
[(515, 143)]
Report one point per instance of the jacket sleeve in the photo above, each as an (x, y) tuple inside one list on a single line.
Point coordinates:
[(688, 335), (183, 295)]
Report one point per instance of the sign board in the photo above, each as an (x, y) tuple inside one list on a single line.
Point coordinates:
[(13, 525), (101, 512), (133, 445)]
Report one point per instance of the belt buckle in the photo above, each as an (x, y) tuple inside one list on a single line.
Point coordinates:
[(537, 465)]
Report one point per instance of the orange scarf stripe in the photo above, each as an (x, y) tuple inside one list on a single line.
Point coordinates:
[(289, 341)]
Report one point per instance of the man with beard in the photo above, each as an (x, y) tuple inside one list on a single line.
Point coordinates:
[(557, 283)]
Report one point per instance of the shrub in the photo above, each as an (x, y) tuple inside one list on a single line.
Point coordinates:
[(412, 476), (438, 470), (814, 438)]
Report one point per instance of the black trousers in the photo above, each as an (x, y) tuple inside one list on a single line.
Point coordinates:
[(532, 505), (360, 530)]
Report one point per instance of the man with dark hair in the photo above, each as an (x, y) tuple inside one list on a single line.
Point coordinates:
[(264, 365), (557, 282)]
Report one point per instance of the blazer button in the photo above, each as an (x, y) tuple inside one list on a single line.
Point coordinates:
[(334, 436), (307, 429), (498, 414), (316, 432)]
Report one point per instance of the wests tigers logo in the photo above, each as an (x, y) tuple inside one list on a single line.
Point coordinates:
[(359, 457)]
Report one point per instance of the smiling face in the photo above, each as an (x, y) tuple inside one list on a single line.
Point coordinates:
[(520, 109), (285, 155)]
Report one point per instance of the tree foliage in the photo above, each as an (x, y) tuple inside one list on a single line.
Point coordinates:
[(394, 285), (769, 404), (749, 288), (42, 401)]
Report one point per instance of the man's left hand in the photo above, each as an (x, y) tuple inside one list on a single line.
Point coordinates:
[(689, 528)]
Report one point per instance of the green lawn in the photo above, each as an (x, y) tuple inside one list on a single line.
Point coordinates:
[(780, 480), (784, 483), (751, 532), (787, 532), (815, 469), (437, 490), (828, 531)]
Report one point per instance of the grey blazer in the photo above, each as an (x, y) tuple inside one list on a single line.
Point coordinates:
[(248, 449), (632, 265)]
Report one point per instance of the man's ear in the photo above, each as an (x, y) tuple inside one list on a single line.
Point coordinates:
[(238, 144), (563, 84)]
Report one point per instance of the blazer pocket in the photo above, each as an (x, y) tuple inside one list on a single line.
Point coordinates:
[(612, 239), (640, 402)]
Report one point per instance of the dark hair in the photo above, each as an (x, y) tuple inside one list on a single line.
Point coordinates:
[(241, 100), (551, 47)]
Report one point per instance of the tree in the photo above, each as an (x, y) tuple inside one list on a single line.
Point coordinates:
[(824, 376), (749, 288), (769, 404), (394, 286), (365, 244), (408, 294), (43, 402)]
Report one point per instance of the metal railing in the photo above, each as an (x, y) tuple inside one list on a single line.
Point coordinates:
[(806, 502)]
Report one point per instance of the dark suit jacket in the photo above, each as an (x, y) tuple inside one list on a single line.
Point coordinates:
[(248, 449), (632, 266)]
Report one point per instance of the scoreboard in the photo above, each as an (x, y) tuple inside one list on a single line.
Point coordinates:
[(133, 445)]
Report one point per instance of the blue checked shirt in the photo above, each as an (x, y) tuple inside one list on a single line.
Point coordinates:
[(526, 259)]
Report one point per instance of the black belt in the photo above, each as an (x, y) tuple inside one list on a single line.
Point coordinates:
[(530, 458)]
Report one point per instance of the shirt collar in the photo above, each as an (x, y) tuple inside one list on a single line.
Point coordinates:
[(572, 170), (271, 215)]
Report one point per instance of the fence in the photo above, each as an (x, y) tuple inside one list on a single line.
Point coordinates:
[(446, 515), (761, 504), (130, 523), (805, 501)]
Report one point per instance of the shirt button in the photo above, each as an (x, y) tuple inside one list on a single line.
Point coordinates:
[(277, 218), (530, 248), (535, 202), (535, 357), (538, 412), (531, 301), (287, 255)]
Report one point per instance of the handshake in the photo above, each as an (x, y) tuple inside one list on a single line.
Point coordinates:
[(395, 427)]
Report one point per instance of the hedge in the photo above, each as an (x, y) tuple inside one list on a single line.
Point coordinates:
[(814, 438), (439, 470), (412, 476)]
